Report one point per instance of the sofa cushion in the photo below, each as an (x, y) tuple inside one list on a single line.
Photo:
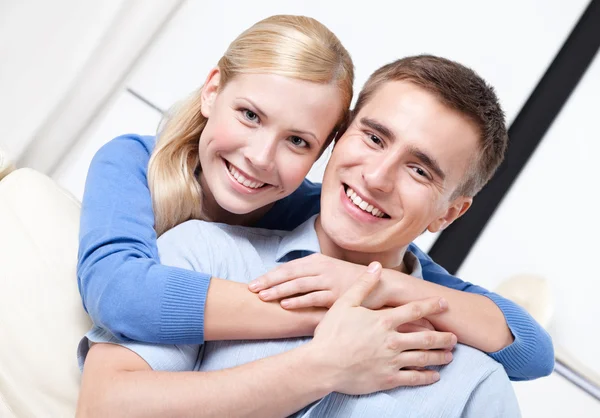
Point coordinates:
[(41, 314)]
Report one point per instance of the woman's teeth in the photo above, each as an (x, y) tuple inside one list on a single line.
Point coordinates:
[(243, 180), (363, 205)]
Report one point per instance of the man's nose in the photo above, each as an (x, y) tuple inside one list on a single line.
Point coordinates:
[(261, 153), (379, 175)]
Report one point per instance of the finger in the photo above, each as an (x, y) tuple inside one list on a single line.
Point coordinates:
[(365, 284), (424, 323), (298, 286), (284, 272), (416, 310), (426, 340), (406, 328), (321, 299), (423, 358), (412, 378)]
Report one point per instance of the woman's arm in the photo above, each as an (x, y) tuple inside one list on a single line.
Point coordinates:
[(478, 317), (531, 354), (124, 287)]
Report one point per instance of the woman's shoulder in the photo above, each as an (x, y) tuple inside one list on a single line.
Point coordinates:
[(129, 145)]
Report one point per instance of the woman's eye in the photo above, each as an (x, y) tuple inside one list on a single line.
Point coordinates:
[(298, 142), (250, 115)]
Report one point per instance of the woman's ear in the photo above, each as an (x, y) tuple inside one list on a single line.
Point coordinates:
[(210, 91)]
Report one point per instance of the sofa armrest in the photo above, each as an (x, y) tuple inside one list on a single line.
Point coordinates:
[(6, 165)]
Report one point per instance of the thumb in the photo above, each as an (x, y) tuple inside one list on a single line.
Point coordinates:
[(365, 284)]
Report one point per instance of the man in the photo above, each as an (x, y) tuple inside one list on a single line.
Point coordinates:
[(411, 160)]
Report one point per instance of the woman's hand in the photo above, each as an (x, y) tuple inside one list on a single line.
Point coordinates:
[(361, 351), (314, 281)]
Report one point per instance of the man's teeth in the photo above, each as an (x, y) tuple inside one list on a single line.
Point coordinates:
[(363, 205), (243, 180)]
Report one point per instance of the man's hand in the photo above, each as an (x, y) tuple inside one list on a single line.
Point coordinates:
[(313, 281), (361, 351)]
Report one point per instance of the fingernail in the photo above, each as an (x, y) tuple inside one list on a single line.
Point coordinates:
[(454, 340), (448, 356), (443, 303), (436, 376), (373, 267), (285, 303), (254, 285), (264, 294)]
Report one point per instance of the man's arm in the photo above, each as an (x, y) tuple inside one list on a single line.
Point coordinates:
[(117, 382)]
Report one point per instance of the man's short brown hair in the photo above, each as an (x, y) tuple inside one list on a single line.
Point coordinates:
[(461, 89)]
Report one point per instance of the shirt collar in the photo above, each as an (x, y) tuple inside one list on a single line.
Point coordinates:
[(300, 242), (303, 241)]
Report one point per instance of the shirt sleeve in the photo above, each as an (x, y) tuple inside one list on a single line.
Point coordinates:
[(124, 287), (160, 357), (531, 355), (494, 397)]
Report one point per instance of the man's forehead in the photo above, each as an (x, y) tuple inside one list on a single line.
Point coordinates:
[(420, 121)]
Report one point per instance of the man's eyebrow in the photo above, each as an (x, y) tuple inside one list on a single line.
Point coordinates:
[(379, 127), (428, 161)]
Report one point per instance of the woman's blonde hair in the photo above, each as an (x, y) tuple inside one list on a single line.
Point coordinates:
[(292, 46)]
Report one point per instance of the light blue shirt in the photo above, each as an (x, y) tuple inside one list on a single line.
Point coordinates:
[(472, 385)]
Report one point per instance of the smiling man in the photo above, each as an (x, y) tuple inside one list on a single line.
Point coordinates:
[(426, 135)]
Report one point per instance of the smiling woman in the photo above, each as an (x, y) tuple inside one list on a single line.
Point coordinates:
[(236, 124)]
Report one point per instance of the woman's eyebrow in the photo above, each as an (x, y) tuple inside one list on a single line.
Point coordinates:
[(299, 132), (256, 108)]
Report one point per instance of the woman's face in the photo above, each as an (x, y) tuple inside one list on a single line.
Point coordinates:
[(263, 134)]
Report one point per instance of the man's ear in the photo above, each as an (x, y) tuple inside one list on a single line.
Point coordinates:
[(210, 89), (457, 209)]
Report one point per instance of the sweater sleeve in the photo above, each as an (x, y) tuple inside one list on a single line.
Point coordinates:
[(531, 355), (124, 287)]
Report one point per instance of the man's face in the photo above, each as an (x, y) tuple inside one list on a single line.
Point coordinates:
[(392, 174)]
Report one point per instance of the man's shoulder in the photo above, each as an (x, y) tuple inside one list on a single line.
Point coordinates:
[(472, 364), (219, 249), (197, 231)]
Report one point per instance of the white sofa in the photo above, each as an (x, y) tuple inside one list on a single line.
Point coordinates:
[(41, 315)]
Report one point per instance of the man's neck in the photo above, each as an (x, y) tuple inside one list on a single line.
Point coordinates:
[(393, 259)]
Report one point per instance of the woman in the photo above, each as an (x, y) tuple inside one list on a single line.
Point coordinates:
[(224, 157)]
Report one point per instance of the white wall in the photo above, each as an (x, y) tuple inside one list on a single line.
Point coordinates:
[(43, 46), (511, 44), (547, 226)]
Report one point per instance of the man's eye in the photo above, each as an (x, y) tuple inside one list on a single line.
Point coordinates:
[(375, 139), (250, 115), (420, 172), (298, 142)]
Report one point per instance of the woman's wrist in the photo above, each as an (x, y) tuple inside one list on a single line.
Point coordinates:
[(394, 285)]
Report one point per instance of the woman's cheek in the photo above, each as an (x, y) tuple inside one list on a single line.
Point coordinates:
[(295, 170), (227, 136)]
